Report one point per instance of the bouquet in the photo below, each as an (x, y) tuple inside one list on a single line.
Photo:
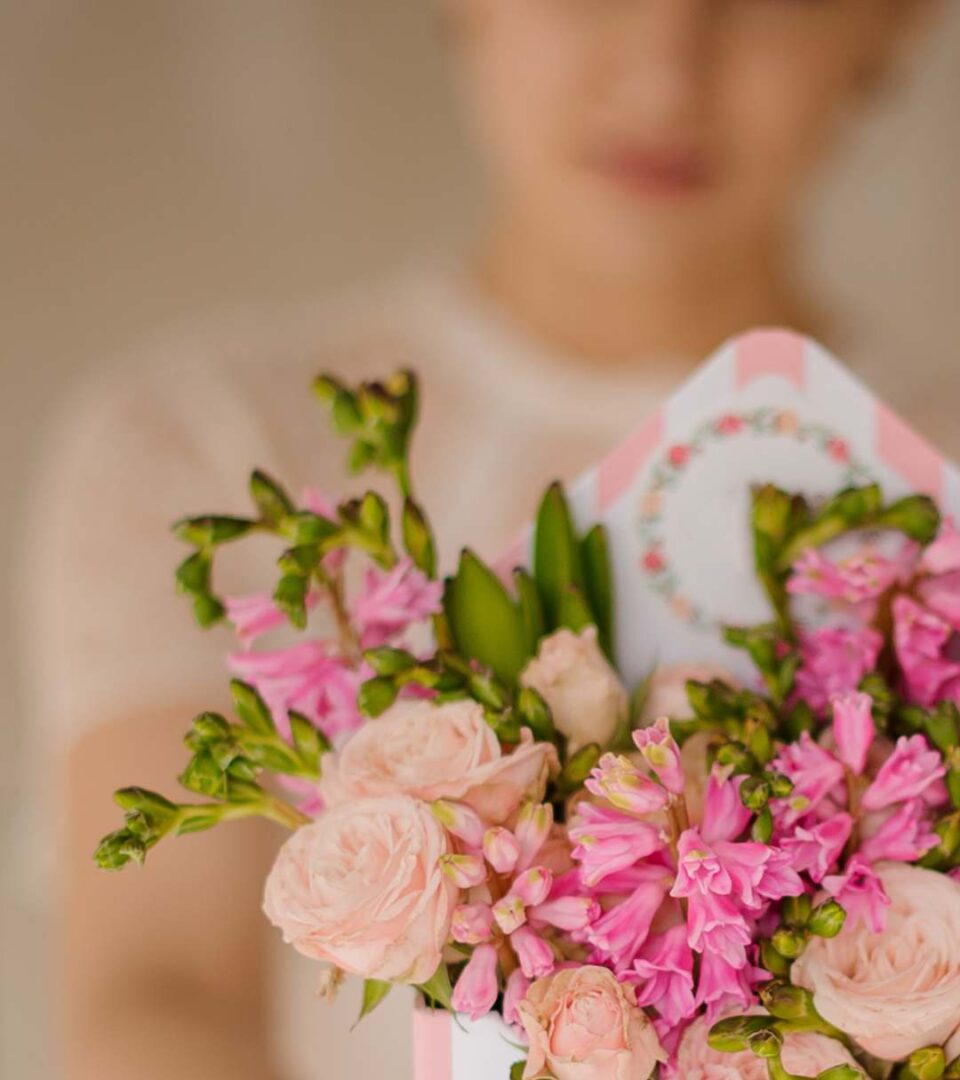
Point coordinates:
[(698, 877)]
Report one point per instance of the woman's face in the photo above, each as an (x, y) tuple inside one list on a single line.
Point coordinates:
[(627, 131)]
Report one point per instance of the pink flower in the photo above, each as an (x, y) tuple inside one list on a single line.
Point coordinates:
[(255, 615), (908, 772), (607, 841), (663, 974), (859, 891), (678, 455), (392, 601), (624, 786), (472, 924), (514, 992), (584, 692), (853, 729), (569, 913), (815, 772), (476, 991), (661, 754), (855, 581), (582, 1023), (730, 424), (619, 934), (724, 986), (304, 678), (446, 751), (921, 639), (905, 836), (759, 873), (716, 926), (943, 555), (833, 661), (815, 849), (724, 815), (501, 849), (653, 561), (893, 993), (535, 955), (361, 888)]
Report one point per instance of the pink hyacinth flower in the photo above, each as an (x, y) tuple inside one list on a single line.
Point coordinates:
[(854, 581), (724, 815), (472, 924), (723, 986), (501, 850), (514, 992), (257, 614), (476, 991), (460, 821), (535, 955), (624, 786), (532, 830), (908, 772), (833, 661), (815, 772), (715, 925), (943, 555), (921, 639), (619, 934), (759, 873), (572, 914), (853, 729), (465, 871), (662, 755), (392, 601), (860, 892), (607, 841), (904, 837), (663, 974), (815, 849)]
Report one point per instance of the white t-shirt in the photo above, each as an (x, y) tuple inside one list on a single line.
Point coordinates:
[(500, 419)]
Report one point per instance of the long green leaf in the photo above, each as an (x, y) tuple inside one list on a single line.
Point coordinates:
[(598, 583), (531, 608), (574, 613), (557, 561), (486, 624)]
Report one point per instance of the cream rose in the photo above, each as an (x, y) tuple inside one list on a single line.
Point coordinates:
[(583, 1024), (361, 888), (583, 691), (667, 690), (896, 991), (804, 1054), (435, 751)]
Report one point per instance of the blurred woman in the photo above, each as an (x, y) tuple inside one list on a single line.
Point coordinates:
[(644, 162)]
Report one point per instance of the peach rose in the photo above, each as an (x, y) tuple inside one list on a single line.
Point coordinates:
[(361, 888), (584, 1025), (583, 691), (896, 991), (804, 1054), (435, 751)]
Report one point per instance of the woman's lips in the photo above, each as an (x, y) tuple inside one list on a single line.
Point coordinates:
[(653, 172)]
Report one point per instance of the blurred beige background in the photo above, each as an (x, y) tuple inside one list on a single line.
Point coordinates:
[(164, 163)]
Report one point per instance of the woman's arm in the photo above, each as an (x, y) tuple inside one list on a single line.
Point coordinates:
[(162, 967)]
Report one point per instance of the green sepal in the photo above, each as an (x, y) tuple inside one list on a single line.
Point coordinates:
[(376, 695), (208, 610), (290, 596), (390, 661), (374, 992), (437, 990), (193, 574)]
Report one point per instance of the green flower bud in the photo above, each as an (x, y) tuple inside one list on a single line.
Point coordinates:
[(269, 498), (376, 696), (789, 943), (796, 910), (737, 756), (418, 539), (207, 610), (762, 828), (118, 849), (535, 713), (781, 787), (755, 793), (155, 807), (487, 692), (772, 960), (787, 1002), (917, 516), (732, 1035), (291, 597), (211, 530), (827, 919), (579, 767), (204, 776), (388, 661), (766, 1044), (505, 723), (840, 1072), (251, 708), (928, 1063), (193, 574)]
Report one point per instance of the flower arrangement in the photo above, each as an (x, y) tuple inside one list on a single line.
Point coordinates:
[(691, 878)]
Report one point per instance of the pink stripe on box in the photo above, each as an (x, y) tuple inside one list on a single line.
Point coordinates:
[(432, 1052), (900, 447), (619, 469), (771, 352)]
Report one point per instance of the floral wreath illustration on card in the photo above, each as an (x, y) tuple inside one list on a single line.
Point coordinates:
[(668, 473)]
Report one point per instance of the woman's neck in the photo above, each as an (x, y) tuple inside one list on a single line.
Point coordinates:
[(621, 318)]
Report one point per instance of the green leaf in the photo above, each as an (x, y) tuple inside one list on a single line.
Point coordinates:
[(598, 583), (374, 991), (557, 560), (269, 498), (574, 613), (531, 608), (377, 695), (517, 1070), (251, 708), (208, 610), (916, 516), (486, 624), (437, 989)]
